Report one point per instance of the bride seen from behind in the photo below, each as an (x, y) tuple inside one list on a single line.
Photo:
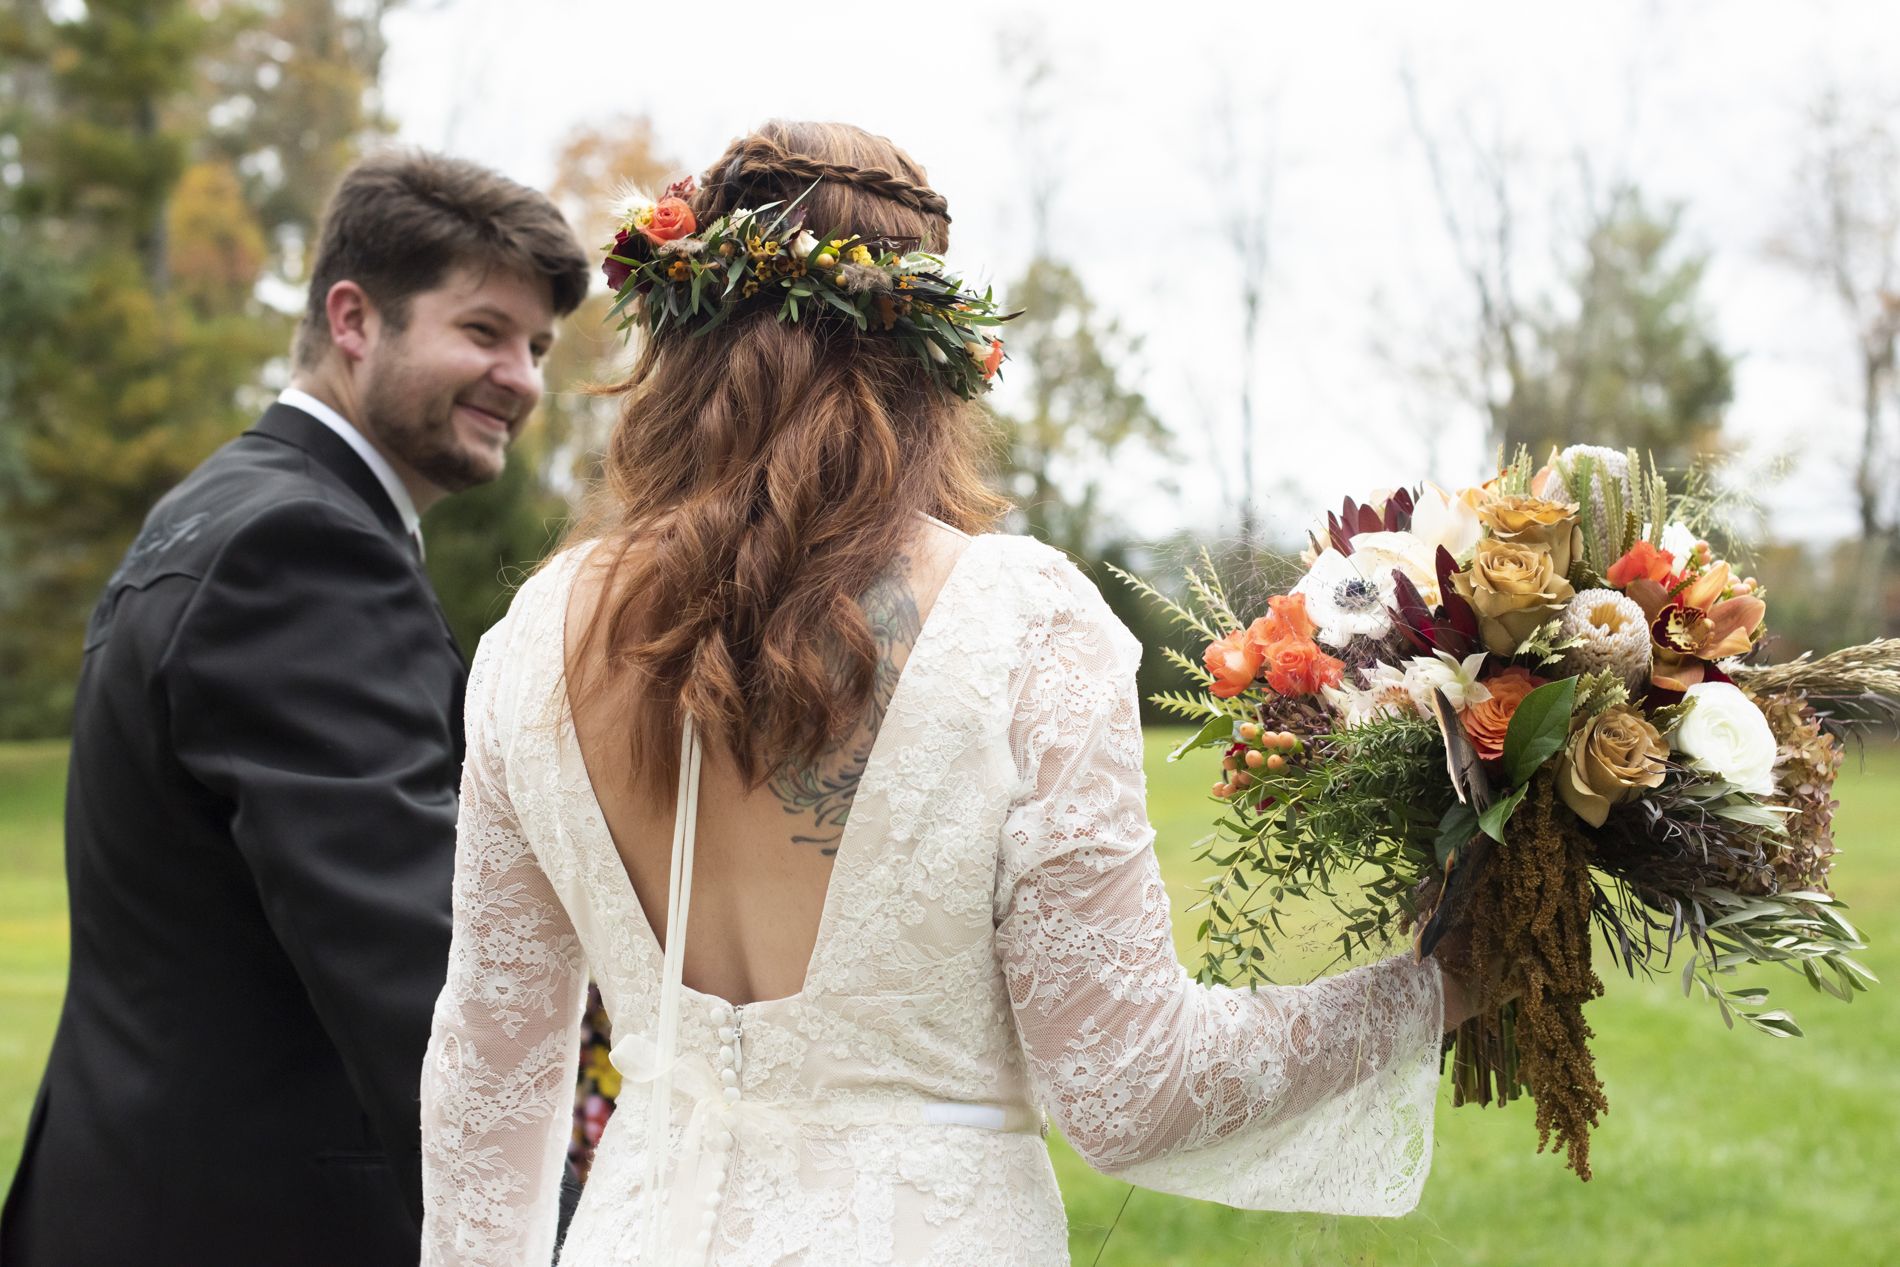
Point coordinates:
[(920, 904)]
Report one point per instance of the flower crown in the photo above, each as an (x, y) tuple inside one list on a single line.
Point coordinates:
[(669, 274)]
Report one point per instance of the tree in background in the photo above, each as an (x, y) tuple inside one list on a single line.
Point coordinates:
[(147, 142), (1622, 354), (1243, 180), (1844, 234), (1628, 358), (1076, 416), (483, 541)]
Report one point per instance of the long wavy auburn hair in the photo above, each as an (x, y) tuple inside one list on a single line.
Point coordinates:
[(761, 477)]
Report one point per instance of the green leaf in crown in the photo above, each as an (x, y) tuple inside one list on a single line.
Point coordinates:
[(670, 274)]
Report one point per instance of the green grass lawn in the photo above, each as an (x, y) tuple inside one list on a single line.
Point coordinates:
[(1719, 1147)]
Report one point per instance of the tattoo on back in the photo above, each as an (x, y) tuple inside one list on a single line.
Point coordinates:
[(820, 794)]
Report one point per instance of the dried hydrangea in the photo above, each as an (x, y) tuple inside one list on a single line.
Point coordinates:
[(1807, 760), (1611, 633)]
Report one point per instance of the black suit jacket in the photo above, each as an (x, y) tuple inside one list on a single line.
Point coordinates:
[(260, 837)]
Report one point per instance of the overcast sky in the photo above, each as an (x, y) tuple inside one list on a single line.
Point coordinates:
[(1697, 101)]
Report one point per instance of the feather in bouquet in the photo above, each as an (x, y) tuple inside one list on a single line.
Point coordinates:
[(1497, 719)]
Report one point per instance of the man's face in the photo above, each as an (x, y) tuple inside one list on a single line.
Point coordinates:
[(448, 392)]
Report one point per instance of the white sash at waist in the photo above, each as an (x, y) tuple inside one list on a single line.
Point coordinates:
[(770, 1127)]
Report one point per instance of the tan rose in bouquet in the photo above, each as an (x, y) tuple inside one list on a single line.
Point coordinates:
[(1515, 588), (1610, 758), (1535, 521)]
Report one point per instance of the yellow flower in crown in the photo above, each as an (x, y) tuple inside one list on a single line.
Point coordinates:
[(858, 255)]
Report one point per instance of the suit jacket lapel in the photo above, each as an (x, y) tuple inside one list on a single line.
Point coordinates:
[(295, 427)]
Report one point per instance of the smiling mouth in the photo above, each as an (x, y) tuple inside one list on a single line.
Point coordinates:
[(487, 417)]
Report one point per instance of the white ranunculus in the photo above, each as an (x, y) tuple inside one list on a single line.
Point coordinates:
[(1346, 601), (1728, 737), (1380, 554), (1444, 519), (1445, 672), (804, 244)]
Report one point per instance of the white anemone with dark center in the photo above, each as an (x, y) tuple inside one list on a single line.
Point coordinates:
[(1343, 601)]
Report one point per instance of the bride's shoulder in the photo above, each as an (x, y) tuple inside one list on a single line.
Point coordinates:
[(1042, 581), (543, 596)]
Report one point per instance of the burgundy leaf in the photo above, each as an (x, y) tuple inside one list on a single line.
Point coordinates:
[(1446, 566), (1414, 618), (1458, 615), (1369, 520), (1341, 538), (1656, 697)]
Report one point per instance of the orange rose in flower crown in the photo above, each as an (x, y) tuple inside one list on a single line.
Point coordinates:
[(993, 361), (672, 219)]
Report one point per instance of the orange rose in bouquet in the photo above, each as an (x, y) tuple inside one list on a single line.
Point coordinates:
[(1488, 721), (1299, 667), (1233, 662)]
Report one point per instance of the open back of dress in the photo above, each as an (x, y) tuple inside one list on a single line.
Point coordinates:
[(995, 945)]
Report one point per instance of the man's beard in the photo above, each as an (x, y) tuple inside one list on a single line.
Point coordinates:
[(417, 421)]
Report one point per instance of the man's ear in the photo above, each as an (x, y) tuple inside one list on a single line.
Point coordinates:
[(353, 319)]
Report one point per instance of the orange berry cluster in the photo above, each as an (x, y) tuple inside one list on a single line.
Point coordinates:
[(1263, 749)]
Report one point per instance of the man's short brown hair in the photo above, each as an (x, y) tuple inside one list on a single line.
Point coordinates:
[(401, 220)]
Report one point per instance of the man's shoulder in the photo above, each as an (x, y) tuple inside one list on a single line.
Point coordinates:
[(249, 484)]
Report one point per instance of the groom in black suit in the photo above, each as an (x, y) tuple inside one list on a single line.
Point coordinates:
[(267, 744)]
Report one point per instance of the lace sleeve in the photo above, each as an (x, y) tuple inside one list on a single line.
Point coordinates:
[(1314, 1097), (498, 1084)]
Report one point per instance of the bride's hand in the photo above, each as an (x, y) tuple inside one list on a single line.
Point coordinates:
[(1462, 991)]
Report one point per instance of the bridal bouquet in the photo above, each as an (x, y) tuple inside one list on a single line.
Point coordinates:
[(1500, 717)]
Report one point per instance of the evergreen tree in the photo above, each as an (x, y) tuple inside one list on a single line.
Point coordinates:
[(133, 235), (1077, 414), (1631, 362)]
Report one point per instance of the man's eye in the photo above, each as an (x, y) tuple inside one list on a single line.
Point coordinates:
[(486, 331)]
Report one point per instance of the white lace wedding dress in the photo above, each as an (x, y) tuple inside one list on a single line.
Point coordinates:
[(994, 946)]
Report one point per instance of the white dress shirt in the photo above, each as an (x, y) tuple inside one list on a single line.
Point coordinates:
[(378, 464)]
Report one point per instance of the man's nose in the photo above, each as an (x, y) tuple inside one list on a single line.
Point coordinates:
[(517, 371)]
